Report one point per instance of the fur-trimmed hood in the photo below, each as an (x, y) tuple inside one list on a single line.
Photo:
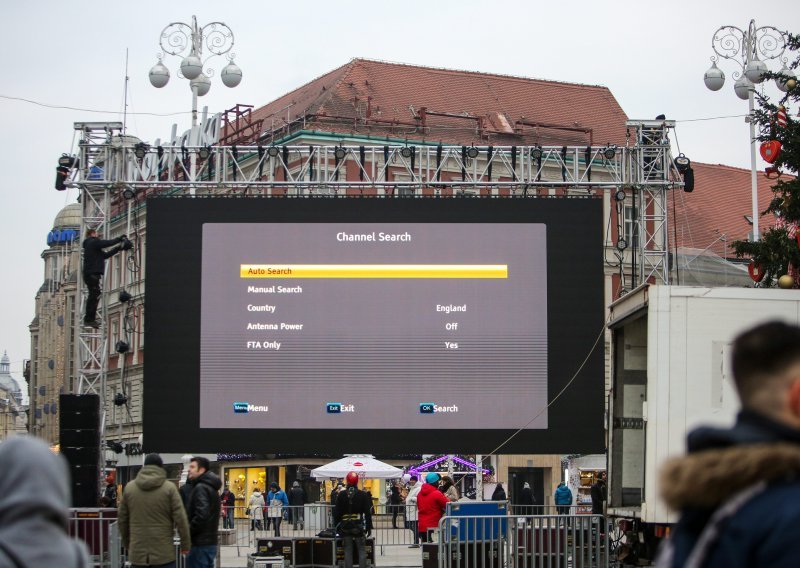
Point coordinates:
[(707, 478), (723, 461)]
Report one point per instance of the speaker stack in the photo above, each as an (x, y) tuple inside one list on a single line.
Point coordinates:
[(79, 438)]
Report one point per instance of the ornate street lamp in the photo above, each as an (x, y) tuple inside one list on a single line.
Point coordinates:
[(179, 38), (750, 49)]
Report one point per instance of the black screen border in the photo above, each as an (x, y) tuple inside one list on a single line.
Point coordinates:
[(172, 324)]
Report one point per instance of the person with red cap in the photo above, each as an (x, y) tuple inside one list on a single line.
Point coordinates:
[(352, 516), (431, 504)]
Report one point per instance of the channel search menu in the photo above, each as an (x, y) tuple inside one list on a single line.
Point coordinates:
[(373, 325)]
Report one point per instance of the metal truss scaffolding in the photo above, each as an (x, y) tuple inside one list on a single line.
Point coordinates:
[(113, 165), (96, 148)]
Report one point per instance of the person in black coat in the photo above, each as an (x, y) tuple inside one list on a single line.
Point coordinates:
[(738, 488), (352, 517), (94, 266), (499, 493), (228, 502), (297, 500), (395, 501), (526, 501), (598, 493), (203, 512)]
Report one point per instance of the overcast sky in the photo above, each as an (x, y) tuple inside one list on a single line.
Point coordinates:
[(652, 55)]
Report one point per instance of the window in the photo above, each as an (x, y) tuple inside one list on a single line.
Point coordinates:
[(112, 347), (117, 261), (630, 226), (54, 269), (140, 327)]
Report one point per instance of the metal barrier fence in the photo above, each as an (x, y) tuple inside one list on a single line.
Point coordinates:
[(552, 541), (530, 510), (512, 541), (96, 528)]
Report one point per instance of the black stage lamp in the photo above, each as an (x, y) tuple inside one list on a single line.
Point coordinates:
[(140, 150), (536, 152), (339, 153), (610, 151), (273, 151), (204, 152), (120, 399), (129, 193), (122, 346), (472, 152), (682, 163), (405, 152), (124, 297), (619, 195)]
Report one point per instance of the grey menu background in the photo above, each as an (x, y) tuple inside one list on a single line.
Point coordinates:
[(378, 344)]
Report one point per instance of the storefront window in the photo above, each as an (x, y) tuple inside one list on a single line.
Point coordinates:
[(242, 481)]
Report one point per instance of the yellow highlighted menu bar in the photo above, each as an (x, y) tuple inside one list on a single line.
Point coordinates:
[(374, 271)]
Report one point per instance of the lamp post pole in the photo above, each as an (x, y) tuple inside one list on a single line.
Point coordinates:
[(179, 38), (749, 49)]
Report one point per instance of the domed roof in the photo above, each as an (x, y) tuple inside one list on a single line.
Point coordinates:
[(8, 383), (69, 217)]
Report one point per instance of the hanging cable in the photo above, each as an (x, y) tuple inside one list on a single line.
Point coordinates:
[(561, 392)]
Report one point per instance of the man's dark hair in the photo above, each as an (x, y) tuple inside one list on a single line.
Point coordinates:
[(413, 478), (761, 353), (202, 462), (153, 459)]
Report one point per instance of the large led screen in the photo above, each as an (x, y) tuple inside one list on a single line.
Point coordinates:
[(337, 325)]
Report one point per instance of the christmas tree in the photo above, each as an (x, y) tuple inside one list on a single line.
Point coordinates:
[(777, 254)]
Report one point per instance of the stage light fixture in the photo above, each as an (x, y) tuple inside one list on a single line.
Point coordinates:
[(122, 346), (273, 151), (682, 163), (140, 150), (536, 153), (622, 244), (204, 152), (405, 152), (610, 151), (129, 193), (472, 152), (619, 195), (124, 297), (339, 153), (120, 399)]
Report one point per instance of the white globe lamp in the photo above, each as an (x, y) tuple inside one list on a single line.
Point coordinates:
[(231, 75), (159, 75), (191, 67), (714, 77), (202, 83)]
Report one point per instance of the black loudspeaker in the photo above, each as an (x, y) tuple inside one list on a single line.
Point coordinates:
[(79, 411), (85, 437), (79, 439), (85, 488)]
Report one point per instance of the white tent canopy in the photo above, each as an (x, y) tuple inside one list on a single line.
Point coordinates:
[(364, 465)]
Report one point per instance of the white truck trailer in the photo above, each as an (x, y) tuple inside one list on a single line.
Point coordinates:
[(670, 372)]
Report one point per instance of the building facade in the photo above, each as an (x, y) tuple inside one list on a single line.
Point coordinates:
[(52, 329), (13, 406)]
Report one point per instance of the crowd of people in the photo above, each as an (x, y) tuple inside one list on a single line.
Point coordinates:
[(730, 478)]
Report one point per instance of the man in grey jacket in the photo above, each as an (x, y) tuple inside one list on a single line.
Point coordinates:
[(34, 499), (149, 511)]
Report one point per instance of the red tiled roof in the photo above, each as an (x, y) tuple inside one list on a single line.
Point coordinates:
[(398, 92), (715, 210)]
